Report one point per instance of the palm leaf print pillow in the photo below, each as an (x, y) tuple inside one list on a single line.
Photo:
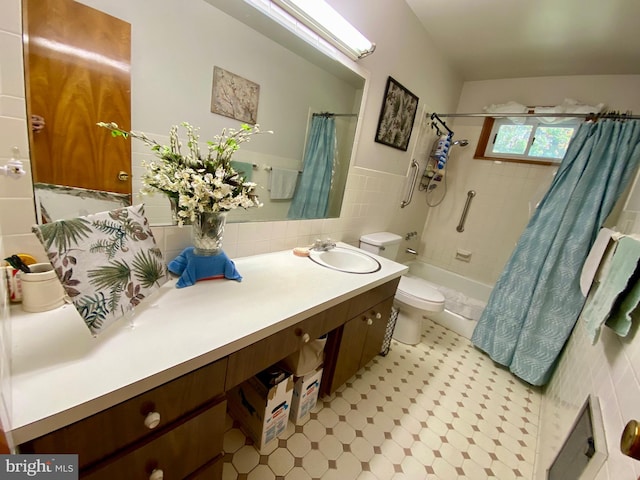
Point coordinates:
[(107, 262)]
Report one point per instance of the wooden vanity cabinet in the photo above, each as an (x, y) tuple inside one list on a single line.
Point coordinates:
[(143, 420), (176, 429), (183, 449), (359, 340)]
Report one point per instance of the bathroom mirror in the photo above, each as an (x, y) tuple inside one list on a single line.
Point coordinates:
[(175, 46)]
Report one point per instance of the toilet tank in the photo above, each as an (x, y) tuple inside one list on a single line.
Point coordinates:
[(385, 244)]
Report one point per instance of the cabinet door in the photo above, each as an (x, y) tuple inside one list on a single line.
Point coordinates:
[(377, 319), (352, 346), (348, 352)]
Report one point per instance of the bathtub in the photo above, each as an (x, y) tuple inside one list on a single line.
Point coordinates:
[(464, 298)]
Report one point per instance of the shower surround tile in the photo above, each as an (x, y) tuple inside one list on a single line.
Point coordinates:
[(440, 410)]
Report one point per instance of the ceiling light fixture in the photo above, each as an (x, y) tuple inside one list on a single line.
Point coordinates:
[(319, 17)]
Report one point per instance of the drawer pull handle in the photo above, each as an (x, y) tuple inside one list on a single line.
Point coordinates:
[(378, 316), (151, 421), (306, 338), (157, 474), (369, 321)]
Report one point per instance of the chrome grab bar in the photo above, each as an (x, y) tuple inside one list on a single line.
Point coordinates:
[(416, 166), (465, 210)]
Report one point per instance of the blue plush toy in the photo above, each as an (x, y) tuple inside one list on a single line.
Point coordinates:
[(192, 267)]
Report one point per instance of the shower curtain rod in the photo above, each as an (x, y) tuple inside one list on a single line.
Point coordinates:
[(329, 114), (558, 115)]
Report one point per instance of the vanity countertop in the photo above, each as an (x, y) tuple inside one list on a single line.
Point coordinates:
[(61, 373)]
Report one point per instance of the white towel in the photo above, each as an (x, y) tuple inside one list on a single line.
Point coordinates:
[(282, 183), (594, 259)]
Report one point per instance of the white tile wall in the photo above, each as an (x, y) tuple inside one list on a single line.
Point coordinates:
[(497, 214), (12, 133), (611, 371)]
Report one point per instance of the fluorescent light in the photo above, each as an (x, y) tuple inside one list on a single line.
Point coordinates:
[(321, 18)]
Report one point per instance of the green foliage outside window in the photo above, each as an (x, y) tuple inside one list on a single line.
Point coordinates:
[(532, 140), (551, 142), (512, 139)]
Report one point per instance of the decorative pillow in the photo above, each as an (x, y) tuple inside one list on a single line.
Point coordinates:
[(107, 262)]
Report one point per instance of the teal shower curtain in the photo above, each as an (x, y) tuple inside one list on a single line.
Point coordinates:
[(537, 299), (311, 198)]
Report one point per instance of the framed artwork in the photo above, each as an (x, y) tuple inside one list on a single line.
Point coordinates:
[(234, 96), (397, 115)]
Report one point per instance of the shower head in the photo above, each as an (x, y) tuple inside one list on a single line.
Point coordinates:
[(462, 143)]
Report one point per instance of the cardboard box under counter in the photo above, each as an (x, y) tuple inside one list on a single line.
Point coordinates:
[(262, 409), (305, 395)]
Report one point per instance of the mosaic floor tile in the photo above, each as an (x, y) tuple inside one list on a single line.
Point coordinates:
[(439, 410)]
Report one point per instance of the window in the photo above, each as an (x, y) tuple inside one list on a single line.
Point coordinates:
[(529, 141)]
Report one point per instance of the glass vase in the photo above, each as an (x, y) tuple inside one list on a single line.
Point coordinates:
[(175, 218), (207, 232)]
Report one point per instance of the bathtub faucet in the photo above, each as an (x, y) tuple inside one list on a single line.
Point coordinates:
[(411, 251)]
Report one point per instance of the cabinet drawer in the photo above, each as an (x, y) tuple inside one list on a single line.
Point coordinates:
[(178, 452), (245, 363), (95, 437), (364, 301), (254, 358)]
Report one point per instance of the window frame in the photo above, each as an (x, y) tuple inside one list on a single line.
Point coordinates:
[(484, 143)]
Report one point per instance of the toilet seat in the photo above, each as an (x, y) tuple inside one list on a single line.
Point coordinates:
[(416, 292)]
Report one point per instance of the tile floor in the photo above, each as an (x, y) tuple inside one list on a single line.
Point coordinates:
[(440, 410)]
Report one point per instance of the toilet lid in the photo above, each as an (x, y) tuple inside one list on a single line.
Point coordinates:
[(418, 293)]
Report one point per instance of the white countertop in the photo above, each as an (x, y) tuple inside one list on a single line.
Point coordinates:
[(61, 373)]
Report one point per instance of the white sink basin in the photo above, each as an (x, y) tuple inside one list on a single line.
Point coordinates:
[(345, 260)]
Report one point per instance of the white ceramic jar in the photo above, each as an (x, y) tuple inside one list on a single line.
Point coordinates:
[(41, 289)]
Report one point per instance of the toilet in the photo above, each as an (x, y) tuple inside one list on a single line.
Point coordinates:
[(414, 298)]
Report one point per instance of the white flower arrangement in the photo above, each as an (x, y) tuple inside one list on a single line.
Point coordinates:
[(194, 182)]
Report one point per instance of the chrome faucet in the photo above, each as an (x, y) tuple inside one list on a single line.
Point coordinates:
[(323, 245)]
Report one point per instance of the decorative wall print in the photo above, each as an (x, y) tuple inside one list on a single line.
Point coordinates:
[(234, 96), (397, 115)]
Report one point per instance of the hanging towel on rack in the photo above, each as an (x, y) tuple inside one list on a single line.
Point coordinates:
[(282, 183), (596, 258), (243, 168), (618, 292)]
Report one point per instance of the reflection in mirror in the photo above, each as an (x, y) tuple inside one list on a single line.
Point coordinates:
[(174, 47)]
